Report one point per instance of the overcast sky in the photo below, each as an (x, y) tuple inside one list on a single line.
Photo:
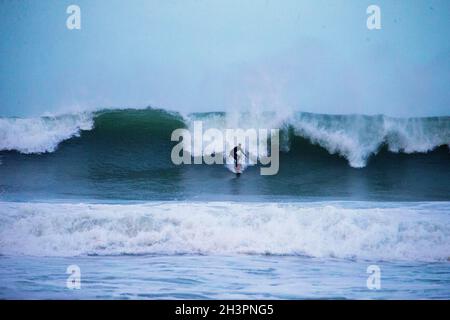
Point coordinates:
[(315, 56)]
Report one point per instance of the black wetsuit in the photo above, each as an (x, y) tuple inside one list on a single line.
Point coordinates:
[(235, 156)]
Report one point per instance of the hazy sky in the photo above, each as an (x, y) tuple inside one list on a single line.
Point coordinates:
[(315, 56)]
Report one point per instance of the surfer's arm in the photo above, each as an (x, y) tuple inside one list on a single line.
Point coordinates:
[(243, 152)]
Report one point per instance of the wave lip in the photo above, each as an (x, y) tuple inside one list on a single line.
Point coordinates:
[(419, 232), (358, 137), (42, 134)]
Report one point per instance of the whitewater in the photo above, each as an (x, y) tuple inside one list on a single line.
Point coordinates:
[(224, 250), (354, 137), (371, 231)]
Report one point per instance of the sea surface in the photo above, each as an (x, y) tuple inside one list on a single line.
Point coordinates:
[(98, 190)]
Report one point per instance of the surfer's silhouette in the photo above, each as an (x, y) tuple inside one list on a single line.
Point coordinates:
[(236, 156)]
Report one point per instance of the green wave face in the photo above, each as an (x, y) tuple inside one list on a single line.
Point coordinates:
[(125, 155)]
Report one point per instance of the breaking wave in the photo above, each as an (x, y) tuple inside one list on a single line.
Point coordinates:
[(354, 137), (42, 134), (419, 231)]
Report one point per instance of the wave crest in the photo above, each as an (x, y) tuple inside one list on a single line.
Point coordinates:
[(354, 137), (358, 137), (42, 134)]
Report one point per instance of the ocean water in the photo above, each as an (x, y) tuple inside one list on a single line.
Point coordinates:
[(218, 277), (98, 190)]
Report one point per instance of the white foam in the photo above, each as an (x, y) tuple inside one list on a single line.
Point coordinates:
[(354, 137), (357, 137), (238, 120), (41, 134), (414, 232)]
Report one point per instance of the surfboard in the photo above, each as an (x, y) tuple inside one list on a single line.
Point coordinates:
[(238, 170)]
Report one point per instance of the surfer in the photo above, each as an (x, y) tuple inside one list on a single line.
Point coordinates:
[(236, 156)]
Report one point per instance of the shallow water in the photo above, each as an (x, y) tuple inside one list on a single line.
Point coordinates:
[(219, 277)]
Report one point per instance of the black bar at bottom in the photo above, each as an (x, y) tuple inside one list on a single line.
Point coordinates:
[(224, 309)]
